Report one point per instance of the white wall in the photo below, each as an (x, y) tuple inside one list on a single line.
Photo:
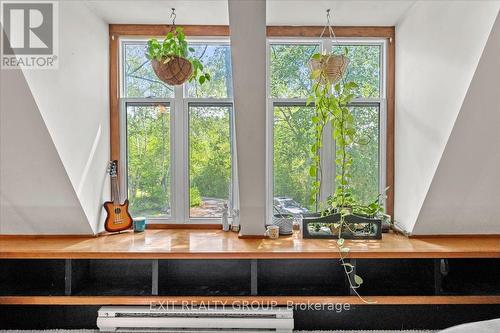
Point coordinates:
[(247, 20), (439, 45), (74, 104), (36, 196), (464, 196)]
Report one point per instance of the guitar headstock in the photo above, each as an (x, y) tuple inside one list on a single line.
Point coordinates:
[(113, 168)]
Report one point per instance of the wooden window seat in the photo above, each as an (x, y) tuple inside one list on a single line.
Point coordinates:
[(189, 265)]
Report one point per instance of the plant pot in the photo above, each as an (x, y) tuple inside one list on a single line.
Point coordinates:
[(326, 227), (332, 66), (173, 70), (284, 222)]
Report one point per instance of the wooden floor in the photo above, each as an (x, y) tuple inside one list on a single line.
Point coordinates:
[(216, 244)]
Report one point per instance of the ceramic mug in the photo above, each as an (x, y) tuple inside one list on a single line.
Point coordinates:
[(273, 231), (139, 224)]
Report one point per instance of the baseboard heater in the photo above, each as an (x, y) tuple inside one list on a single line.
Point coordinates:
[(187, 320)]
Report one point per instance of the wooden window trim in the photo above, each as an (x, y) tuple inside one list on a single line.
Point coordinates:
[(144, 30)]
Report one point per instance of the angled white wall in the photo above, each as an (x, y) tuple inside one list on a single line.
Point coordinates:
[(36, 195), (73, 104), (464, 196), (439, 45), (247, 22)]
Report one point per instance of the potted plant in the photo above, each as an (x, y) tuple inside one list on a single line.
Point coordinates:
[(341, 216), (171, 59)]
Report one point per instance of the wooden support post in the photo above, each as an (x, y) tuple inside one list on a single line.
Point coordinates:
[(68, 263), (154, 277), (253, 277), (440, 271)]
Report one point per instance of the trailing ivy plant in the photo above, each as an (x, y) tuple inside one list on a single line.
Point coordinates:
[(175, 45), (332, 107)]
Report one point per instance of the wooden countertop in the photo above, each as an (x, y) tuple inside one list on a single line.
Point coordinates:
[(216, 244)]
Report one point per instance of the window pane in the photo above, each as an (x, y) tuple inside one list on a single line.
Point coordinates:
[(364, 68), (365, 153), (216, 59), (148, 152), (290, 77), (139, 79), (209, 159), (293, 137)]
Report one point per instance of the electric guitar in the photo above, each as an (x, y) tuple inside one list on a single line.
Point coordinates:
[(118, 217)]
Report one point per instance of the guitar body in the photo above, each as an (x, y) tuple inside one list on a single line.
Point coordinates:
[(118, 218)]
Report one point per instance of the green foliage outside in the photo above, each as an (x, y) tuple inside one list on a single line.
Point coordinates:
[(210, 151), (148, 127), (210, 163), (149, 167), (294, 131), (194, 197)]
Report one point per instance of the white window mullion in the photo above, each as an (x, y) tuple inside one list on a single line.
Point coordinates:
[(270, 159), (179, 147), (382, 147)]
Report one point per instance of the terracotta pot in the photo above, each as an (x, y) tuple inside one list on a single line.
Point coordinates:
[(175, 71)]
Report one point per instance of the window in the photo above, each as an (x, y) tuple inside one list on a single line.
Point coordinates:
[(209, 159), (176, 143), (293, 136), (149, 167), (139, 79), (177, 147), (291, 131)]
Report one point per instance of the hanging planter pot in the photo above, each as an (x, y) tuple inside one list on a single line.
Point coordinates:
[(173, 70), (331, 66), (328, 68), (171, 58)]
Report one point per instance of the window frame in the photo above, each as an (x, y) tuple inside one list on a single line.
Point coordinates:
[(133, 31), (328, 150), (179, 138)]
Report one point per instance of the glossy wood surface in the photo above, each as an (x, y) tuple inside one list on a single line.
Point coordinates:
[(217, 244), (225, 300)]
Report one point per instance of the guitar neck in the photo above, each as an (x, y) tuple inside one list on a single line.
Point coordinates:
[(115, 191)]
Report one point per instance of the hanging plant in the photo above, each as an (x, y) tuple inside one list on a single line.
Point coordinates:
[(341, 216), (331, 66), (171, 58)]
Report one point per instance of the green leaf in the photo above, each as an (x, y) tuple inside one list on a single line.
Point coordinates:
[(316, 56), (309, 100), (201, 79), (358, 279), (312, 171), (348, 267)]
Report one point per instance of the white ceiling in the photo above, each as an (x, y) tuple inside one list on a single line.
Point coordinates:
[(279, 12)]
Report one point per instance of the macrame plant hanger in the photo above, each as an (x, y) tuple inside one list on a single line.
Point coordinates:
[(332, 66)]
